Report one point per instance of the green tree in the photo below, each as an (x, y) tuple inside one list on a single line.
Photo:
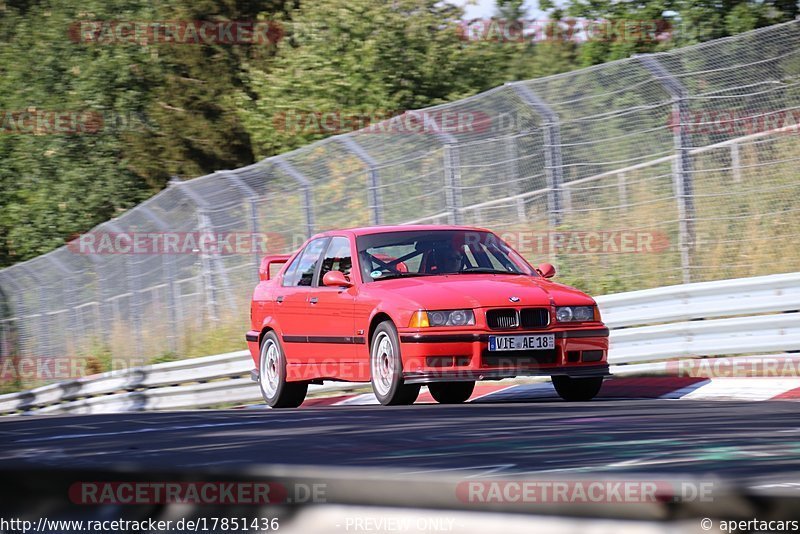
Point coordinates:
[(160, 109), (538, 52), (196, 129), (680, 22), (362, 57), (57, 184)]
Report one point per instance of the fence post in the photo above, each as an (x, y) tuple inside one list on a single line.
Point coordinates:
[(512, 164), (251, 196), (682, 164), (70, 302), (207, 265), (452, 176), (554, 169), (135, 300), (9, 334), (43, 325), (167, 261), (736, 163), (622, 186), (566, 198), (104, 306), (373, 180), (305, 186)]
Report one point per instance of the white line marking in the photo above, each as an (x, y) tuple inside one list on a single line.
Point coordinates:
[(145, 430), (492, 392)]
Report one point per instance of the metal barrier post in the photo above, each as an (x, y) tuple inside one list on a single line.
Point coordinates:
[(552, 151), (376, 206), (251, 197), (167, 264), (70, 302), (9, 343), (682, 164), (206, 263), (305, 186)]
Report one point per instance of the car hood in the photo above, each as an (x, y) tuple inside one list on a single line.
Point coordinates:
[(479, 290)]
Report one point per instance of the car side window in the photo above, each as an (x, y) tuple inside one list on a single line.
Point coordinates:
[(337, 258), (288, 277), (302, 274)]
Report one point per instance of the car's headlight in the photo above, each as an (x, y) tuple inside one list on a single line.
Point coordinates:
[(422, 318), (567, 314)]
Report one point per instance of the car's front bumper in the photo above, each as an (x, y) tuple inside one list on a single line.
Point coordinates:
[(464, 356), (424, 377)]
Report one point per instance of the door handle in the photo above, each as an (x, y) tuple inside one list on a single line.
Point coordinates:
[(279, 299), (313, 300)]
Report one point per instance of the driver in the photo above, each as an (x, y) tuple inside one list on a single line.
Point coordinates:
[(445, 259)]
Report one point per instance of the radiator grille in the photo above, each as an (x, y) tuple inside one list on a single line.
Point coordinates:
[(502, 319), (534, 317)]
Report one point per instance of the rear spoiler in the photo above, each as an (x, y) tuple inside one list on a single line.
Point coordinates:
[(269, 261)]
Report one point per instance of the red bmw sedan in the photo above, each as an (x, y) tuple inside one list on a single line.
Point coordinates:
[(402, 306)]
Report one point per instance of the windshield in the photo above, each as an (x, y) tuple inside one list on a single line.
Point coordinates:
[(438, 252)]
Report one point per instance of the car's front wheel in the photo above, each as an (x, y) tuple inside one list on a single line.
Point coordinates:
[(451, 392), (386, 368), (277, 392), (577, 389)]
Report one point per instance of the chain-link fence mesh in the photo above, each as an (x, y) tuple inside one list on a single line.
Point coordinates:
[(650, 171)]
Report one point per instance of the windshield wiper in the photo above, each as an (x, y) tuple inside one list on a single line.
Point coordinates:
[(485, 270), (400, 275)]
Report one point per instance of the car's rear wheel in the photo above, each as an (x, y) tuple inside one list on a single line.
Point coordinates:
[(277, 392), (451, 392), (577, 389), (386, 368)]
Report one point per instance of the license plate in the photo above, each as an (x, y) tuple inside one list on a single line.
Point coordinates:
[(522, 342)]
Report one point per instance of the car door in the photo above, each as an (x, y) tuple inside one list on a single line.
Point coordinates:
[(291, 301), (331, 333)]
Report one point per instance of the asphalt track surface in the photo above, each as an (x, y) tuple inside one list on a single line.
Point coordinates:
[(753, 443)]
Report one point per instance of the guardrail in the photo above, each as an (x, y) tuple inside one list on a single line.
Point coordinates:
[(704, 319), (722, 318), (193, 383)]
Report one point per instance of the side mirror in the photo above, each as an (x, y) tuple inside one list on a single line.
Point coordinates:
[(546, 270), (335, 279)]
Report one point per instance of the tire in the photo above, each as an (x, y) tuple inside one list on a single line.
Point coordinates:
[(577, 389), (451, 392), (277, 392), (386, 368)]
